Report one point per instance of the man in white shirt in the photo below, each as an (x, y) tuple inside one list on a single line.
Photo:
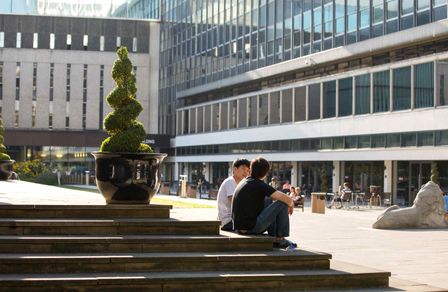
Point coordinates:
[(240, 169)]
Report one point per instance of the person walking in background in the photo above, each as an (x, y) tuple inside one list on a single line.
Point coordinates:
[(253, 209), (240, 169)]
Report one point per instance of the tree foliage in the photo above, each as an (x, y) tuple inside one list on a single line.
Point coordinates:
[(126, 133), (3, 155), (434, 173)]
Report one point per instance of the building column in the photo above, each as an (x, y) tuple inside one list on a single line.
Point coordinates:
[(299, 173), (336, 176), (294, 173), (387, 176), (176, 171), (206, 171)]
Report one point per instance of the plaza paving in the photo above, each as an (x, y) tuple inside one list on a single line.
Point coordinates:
[(414, 255)]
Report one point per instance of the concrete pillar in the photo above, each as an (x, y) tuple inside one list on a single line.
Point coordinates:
[(176, 171), (387, 176), (206, 171), (294, 173), (299, 173), (336, 176)]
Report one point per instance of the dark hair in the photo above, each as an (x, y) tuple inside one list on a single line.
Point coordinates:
[(240, 161), (259, 167)]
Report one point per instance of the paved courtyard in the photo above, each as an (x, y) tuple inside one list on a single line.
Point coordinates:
[(414, 255)]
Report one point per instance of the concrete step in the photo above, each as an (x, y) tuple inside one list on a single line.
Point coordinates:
[(266, 280), (163, 262), (147, 226), (133, 243), (85, 211)]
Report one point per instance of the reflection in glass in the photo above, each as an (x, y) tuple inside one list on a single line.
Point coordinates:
[(362, 94), (274, 116), (424, 85), (299, 104), (329, 99), (314, 102), (381, 91), (402, 88), (345, 97), (263, 109)]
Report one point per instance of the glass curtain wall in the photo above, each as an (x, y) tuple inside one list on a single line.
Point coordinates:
[(304, 102), (206, 41)]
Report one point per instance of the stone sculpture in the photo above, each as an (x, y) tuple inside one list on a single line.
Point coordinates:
[(427, 211)]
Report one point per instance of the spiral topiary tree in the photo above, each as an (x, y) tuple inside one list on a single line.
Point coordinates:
[(126, 133), (3, 155), (434, 173)]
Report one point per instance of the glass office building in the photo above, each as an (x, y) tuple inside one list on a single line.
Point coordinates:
[(137, 9), (355, 88)]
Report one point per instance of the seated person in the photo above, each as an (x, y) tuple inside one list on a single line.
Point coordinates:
[(342, 196), (240, 169), (300, 197), (296, 195), (254, 212)]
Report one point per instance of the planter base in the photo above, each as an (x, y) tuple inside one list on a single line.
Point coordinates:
[(5, 169), (128, 178)]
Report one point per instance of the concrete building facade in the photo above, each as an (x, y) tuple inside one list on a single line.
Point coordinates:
[(55, 74)]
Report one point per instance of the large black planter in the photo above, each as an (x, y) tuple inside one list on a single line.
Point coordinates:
[(5, 169), (128, 178)]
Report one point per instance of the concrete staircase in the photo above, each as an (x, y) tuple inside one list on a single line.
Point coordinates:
[(140, 248)]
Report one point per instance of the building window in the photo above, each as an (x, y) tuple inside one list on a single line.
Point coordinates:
[(314, 101), (34, 100), (300, 104), (84, 97), (424, 85), (263, 109), (85, 42), (402, 88), (1, 81), (19, 40), (118, 42), (100, 122), (287, 106), (67, 83), (329, 99), (345, 97), (192, 120), (69, 42), (35, 40), (51, 80), (362, 94), (381, 93), (50, 115), (17, 80), (52, 39), (274, 108), (253, 111), (101, 43), (2, 39), (134, 44), (242, 113)]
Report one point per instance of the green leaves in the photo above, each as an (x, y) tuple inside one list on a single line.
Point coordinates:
[(126, 133), (3, 155)]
